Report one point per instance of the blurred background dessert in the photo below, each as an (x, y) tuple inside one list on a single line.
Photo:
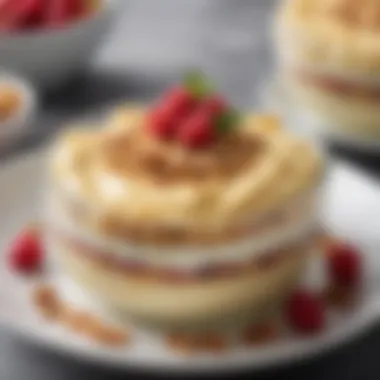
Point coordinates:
[(330, 60)]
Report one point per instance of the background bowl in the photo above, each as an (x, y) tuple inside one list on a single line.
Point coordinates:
[(49, 57), (19, 123)]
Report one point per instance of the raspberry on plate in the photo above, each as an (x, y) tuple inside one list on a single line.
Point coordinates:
[(344, 265), (305, 312), (26, 252)]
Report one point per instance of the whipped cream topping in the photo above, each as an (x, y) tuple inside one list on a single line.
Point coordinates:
[(84, 167)]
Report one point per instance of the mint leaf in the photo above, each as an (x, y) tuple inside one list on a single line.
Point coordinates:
[(198, 84), (227, 121)]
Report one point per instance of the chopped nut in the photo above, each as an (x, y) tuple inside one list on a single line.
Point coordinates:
[(112, 336), (47, 301), (181, 343), (211, 342), (75, 320), (340, 297), (261, 333), (98, 331), (193, 343), (78, 321)]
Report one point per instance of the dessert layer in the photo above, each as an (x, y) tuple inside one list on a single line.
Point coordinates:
[(369, 92), (191, 302), (131, 177), (343, 113), (337, 33), (300, 214), (181, 267)]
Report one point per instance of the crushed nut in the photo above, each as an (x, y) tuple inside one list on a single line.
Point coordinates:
[(261, 333), (340, 297), (193, 343), (47, 301), (77, 321)]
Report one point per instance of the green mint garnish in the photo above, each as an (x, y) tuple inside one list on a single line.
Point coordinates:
[(227, 121), (198, 84)]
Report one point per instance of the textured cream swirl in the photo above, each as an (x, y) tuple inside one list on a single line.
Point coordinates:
[(284, 169)]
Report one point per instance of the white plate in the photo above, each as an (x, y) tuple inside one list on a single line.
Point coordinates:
[(277, 98), (352, 213)]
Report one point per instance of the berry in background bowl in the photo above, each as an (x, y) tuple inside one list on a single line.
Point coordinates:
[(48, 41)]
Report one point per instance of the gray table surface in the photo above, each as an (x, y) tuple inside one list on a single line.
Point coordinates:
[(149, 47)]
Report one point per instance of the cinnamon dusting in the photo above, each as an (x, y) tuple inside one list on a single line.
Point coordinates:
[(138, 154)]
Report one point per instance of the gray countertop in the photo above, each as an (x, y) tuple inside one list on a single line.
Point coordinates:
[(149, 47)]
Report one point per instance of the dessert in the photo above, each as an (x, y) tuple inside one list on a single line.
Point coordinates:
[(196, 217), (330, 60)]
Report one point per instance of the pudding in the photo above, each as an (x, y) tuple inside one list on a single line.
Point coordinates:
[(329, 54), (183, 229)]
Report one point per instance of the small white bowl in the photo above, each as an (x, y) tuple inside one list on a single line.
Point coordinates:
[(50, 57), (17, 124)]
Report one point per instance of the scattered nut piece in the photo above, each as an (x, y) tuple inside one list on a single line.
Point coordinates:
[(192, 343), (77, 321), (181, 343), (340, 297), (47, 301), (261, 333), (112, 336), (74, 320)]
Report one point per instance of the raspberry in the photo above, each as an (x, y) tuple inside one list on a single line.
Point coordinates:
[(180, 101), (161, 124), (59, 12), (305, 312), (26, 252), (344, 265), (197, 131), (214, 105)]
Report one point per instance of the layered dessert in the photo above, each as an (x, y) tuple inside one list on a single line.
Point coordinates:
[(185, 212), (330, 60)]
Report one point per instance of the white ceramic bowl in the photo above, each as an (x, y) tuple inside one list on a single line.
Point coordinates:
[(18, 124), (49, 57)]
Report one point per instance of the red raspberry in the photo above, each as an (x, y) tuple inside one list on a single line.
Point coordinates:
[(160, 122), (344, 265), (15, 14), (26, 252), (59, 12), (214, 105), (197, 131), (180, 101), (305, 312)]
